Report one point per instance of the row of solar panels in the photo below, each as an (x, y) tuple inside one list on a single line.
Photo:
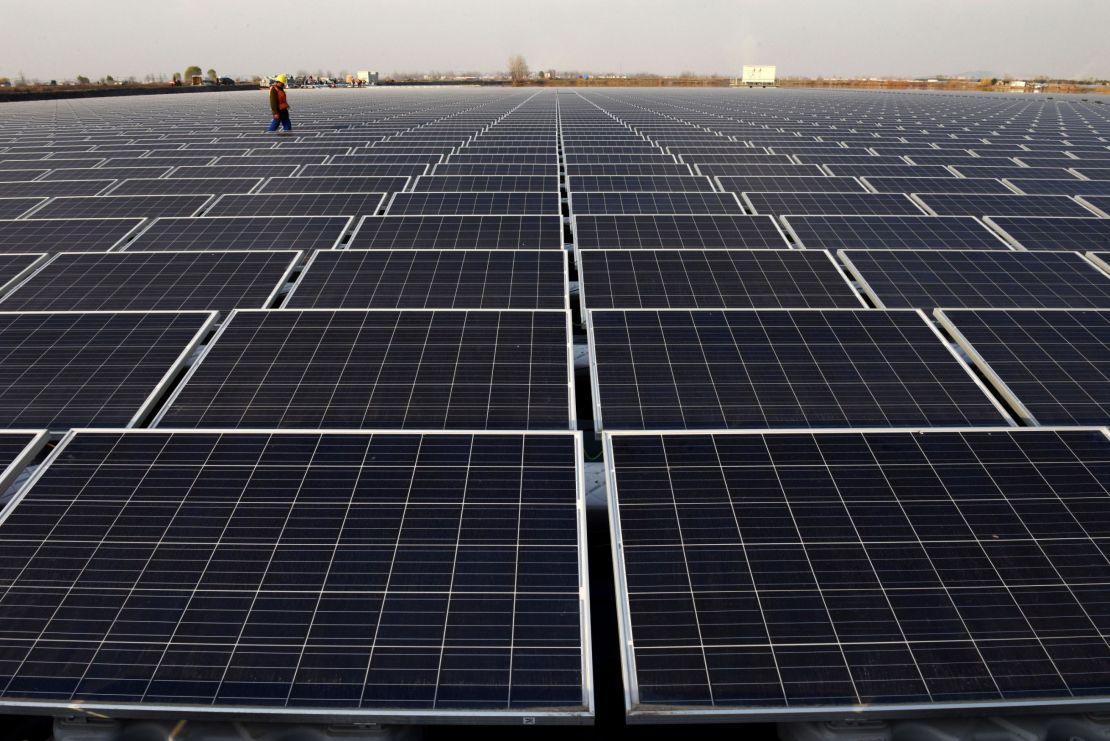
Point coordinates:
[(760, 573), (644, 231), (535, 279)]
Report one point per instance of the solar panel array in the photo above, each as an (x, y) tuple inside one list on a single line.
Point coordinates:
[(297, 425)]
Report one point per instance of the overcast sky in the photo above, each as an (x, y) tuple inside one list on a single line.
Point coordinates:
[(64, 38)]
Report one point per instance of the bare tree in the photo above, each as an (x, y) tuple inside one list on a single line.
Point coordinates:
[(518, 68)]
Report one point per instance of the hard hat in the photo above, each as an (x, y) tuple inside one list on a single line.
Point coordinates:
[(281, 79)]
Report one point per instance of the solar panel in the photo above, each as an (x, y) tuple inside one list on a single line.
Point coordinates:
[(1052, 366), (694, 231), (979, 279), (852, 157), (242, 233), (638, 182), (765, 369), (1026, 173), (105, 207), (297, 204), (790, 575), (350, 369), (69, 235), (712, 279), (233, 171), (616, 170), (167, 160), (490, 183), (822, 184), (737, 159), (106, 173), (386, 158), (179, 186), (602, 159), (459, 232), (432, 279), (63, 370), (551, 158), (490, 170), (891, 233), (1053, 232), (937, 185), (831, 203), (13, 208), (903, 170), (759, 170), (960, 160), (141, 281), (650, 202), (967, 204), (359, 575), (354, 171), (385, 184), (54, 188), (478, 204), (271, 158), (1070, 187), (53, 164)]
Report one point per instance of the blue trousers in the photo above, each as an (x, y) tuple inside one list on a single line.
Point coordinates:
[(284, 121)]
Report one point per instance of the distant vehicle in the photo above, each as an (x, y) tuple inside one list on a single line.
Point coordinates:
[(226, 81)]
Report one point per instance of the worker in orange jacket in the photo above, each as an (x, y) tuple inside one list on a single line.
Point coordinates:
[(279, 106)]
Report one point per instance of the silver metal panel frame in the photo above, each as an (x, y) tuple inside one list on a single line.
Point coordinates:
[(172, 398), (599, 428), (636, 713), (576, 716)]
